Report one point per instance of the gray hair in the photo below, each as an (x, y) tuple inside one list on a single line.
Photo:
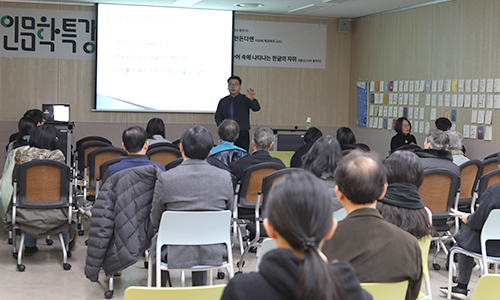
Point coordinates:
[(263, 138), (228, 130), (455, 140), (438, 139)]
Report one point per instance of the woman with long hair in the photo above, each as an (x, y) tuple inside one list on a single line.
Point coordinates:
[(156, 131), (322, 160), (299, 218)]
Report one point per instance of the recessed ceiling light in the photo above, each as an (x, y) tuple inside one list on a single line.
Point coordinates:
[(249, 5)]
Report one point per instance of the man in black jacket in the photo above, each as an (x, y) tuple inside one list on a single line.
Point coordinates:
[(227, 153), (434, 155), (237, 107)]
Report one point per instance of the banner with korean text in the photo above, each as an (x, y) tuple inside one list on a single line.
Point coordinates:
[(277, 44), (37, 33)]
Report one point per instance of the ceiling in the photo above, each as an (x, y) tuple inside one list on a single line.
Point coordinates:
[(332, 9)]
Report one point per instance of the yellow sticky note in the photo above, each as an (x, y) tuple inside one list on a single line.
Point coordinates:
[(377, 86), (447, 113), (454, 85), (386, 98)]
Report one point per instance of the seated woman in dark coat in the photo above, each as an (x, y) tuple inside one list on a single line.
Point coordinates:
[(312, 135), (298, 269), (322, 160), (403, 136)]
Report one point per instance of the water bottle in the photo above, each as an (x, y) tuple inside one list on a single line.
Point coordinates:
[(308, 122)]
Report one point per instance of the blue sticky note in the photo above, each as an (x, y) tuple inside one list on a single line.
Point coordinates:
[(453, 115)]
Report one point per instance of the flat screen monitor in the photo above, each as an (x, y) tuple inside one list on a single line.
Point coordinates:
[(56, 113), (162, 58)]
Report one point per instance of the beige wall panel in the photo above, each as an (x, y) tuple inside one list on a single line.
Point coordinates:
[(26, 82), (452, 40)]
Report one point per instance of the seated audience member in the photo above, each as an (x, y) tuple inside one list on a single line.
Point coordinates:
[(378, 250), (401, 204), (42, 145), (297, 269), (194, 185), (346, 138), (434, 155), (470, 239), (156, 131), (443, 124), (312, 135), (455, 146), (263, 139), (26, 126), (36, 115), (403, 136), (322, 160), (136, 144), (227, 152)]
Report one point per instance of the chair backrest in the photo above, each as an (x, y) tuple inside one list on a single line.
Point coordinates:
[(99, 156), (162, 144), (194, 228), (487, 180), (285, 156), (90, 139), (163, 155), (269, 180), (386, 290), (425, 245), (490, 164), (105, 166), (83, 152), (470, 172), (173, 163), (487, 287), (43, 183), (490, 232), (251, 182), (267, 245), (438, 191), (209, 292)]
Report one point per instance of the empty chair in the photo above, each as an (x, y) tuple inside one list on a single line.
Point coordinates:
[(267, 245), (487, 287), (193, 223), (439, 193), (386, 290), (95, 159), (257, 231), (425, 244), (82, 154), (90, 139), (213, 292), (490, 164), (470, 172), (247, 194), (43, 191), (163, 155)]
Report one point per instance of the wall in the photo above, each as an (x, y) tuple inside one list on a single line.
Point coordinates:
[(452, 40), (287, 95)]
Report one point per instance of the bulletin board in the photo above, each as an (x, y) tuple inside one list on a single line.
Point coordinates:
[(470, 104)]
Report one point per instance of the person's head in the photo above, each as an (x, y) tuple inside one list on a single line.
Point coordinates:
[(36, 115), (44, 137), (312, 135), (135, 140), (228, 130), (26, 125), (436, 139), (360, 178), (155, 126), (403, 126), (408, 214), (455, 140), (196, 142), (299, 216), (263, 138), (323, 157), (443, 124), (404, 166), (234, 85), (345, 136)]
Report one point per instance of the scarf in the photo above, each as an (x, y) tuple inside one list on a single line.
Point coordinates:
[(404, 195)]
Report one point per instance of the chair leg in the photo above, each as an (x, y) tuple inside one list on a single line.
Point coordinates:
[(64, 246), (183, 279), (150, 271), (109, 293), (211, 277)]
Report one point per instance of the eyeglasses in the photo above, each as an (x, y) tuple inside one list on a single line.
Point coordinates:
[(406, 126), (233, 84)]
